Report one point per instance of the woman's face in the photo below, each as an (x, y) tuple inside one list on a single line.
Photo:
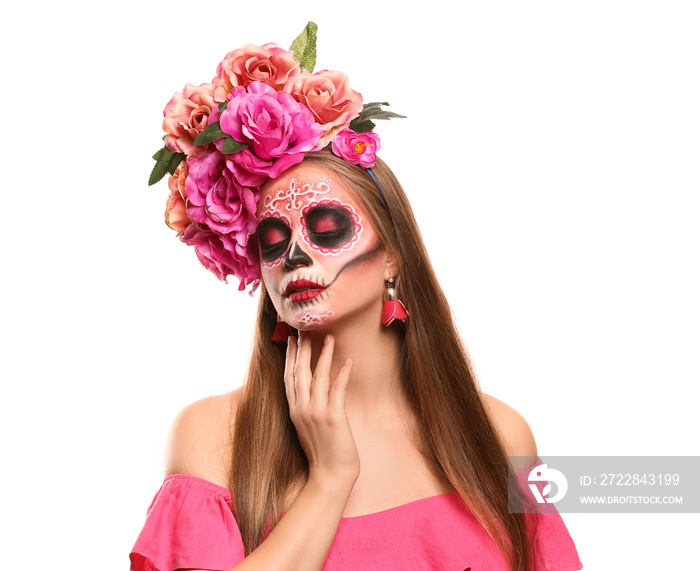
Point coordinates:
[(321, 259)]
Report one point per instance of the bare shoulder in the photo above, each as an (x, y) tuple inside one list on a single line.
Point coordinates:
[(199, 440), (513, 428)]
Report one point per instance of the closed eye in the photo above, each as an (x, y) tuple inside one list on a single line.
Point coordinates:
[(273, 237), (325, 222), (329, 226)]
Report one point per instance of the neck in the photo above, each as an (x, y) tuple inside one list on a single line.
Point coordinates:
[(375, 380)]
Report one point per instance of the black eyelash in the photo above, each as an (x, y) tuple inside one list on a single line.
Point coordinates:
[(329, 233), (273, 247)]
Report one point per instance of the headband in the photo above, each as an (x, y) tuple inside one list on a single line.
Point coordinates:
[(263, 111), (369, 170)]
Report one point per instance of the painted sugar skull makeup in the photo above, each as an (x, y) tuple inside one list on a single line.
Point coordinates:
[(320, 257), (327, 225)]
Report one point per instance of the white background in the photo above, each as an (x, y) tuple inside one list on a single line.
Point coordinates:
[(551, 156)]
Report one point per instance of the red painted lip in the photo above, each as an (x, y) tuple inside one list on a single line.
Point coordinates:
[(298, 291)]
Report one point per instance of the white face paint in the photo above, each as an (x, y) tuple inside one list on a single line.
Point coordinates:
[(294, 196), (326, 224), (318, 252), (311, 317)]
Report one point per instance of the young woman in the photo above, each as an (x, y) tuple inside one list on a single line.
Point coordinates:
[(363, 442)]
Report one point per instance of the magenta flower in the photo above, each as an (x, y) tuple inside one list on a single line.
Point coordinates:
[(261, 114), (216, 198), (278, 129), (357, 148), (223, 255)]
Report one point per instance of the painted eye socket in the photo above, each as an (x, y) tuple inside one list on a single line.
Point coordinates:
[(329, 226), (273, 237)]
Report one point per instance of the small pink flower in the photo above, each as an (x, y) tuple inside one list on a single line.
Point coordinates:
[(175, 208), (269, 64), (279, 130), (328, 95), (222, 255), (187, 115), (357, 148)]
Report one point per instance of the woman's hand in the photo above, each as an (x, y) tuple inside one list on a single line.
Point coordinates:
[(317, 409), (303, 537)]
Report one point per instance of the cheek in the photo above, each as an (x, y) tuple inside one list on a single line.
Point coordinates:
[(359, 268), (272, 276), (271, 265), (347, 260)]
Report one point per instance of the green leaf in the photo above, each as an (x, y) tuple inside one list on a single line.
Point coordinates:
[(304, 47), (175, 161), (161, 152), (377, 113), (231, 146), (166, 162), (212, 133), (371, 112), (157, 173), (361, 126), (374, 104)]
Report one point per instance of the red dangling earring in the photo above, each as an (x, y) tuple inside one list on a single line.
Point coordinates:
[(282, 331), (393, 308)]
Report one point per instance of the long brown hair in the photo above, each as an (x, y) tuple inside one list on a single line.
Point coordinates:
[(456, 435)]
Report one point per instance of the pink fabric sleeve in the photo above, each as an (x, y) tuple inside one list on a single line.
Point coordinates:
[(554, 550), (189, 525)]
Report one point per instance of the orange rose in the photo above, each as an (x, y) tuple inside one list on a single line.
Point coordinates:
[(186, 116), (175, 208), (328, 95), (269, 64)]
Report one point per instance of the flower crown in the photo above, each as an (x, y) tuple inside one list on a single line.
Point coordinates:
[(262, 112)]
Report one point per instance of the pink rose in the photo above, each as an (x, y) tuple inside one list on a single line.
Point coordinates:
[(357, 148), (223, 255), (215, 198), (175, 208), (328, 95), (186, 116), (279, 130), (269, 64)]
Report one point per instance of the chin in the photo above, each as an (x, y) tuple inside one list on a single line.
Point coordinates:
[(309, 319)]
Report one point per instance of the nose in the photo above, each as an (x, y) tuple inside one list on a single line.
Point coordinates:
[(296, 258)]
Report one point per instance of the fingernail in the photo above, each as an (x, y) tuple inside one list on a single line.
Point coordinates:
[(327, 340)]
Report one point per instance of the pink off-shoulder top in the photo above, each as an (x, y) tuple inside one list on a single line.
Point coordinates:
[(190, 525)]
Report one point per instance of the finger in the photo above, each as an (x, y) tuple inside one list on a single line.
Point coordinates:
[(338, 390), (321, 379), (289, 364), (302, 369)]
